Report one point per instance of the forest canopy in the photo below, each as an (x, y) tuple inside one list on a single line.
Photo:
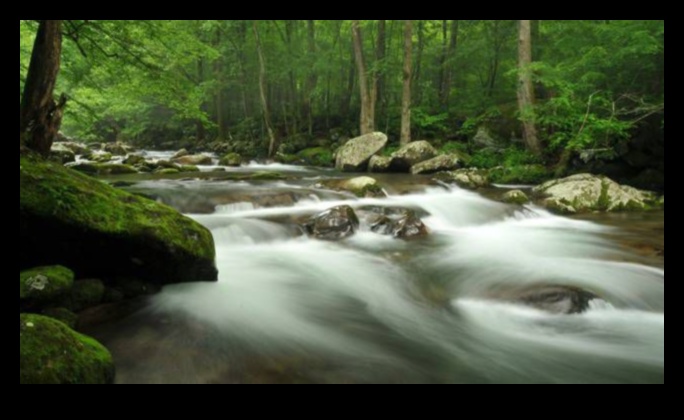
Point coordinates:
[(142, 81)]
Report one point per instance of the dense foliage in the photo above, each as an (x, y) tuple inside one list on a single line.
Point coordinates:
[(172, 81)]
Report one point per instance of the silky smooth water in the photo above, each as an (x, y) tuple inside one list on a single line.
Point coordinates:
[(373, 309)]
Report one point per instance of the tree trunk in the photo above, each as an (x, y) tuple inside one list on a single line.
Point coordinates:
[(312, 78), (262, 93), (218, 97), (380, 53), (419, 61), (447, 65), (366, 123), (39, 115), (406, 94), (525, 91)]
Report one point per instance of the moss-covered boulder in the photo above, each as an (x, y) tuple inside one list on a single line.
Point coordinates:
[(587, 192), (134, 160), (52, 353), (104, 168), (98, 231), (411, 154), (189, 168), (42, 285), (118, 148), (355, 154), (520, 174), (333, 224), (438, 164), (167, 171), (231, 159)]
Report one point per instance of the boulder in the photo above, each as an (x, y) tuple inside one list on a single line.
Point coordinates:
[(76, 147), (99, 231), (515, 197), (470, 178), (52, 353), (411, 154), (44, 285), (379, 164), (354, 155), (438, 164), (84, 294), (61, 154), (333, 224), (180, 153), (118, 148), (193, 160), (405, 225), (231, 159), (134, 160), (555, 299), (361, 186), (586, 192)]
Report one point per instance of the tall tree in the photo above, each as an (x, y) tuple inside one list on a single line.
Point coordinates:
[(367, 125), (262, 93), (39, 115), (380, 52), (406, 93), (312, 77), (525, 91), (446, 65)]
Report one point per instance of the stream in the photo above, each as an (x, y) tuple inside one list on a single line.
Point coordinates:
[(375, 309)]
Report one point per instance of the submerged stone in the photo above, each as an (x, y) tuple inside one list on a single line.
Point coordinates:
[(333, 224)]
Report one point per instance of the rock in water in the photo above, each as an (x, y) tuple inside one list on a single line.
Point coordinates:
[(355, 154), (587, 192), (515, 197), (411, 154), (438, 164), (52, 353), (61, 154), (556, 299), (379, 163), (333, 224), (406, 226), (193, 160), (471, 178), (100, 231), (231, 159)]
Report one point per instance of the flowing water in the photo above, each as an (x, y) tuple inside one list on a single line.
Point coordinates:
[(373, 309)]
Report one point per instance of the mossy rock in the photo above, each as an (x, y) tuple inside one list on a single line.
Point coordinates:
[(85, 294), (104, 168), (52, 353), (42, 285), (263, 176), (100, 231), (231, 159), (63, 315)]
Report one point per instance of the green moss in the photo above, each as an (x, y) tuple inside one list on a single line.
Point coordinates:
[(231, 159), (45, 284), (389, 150), (189, 168), (603, 202), (51, 353), (73, 202), (287, 158), (316, 156), (104, 168)]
